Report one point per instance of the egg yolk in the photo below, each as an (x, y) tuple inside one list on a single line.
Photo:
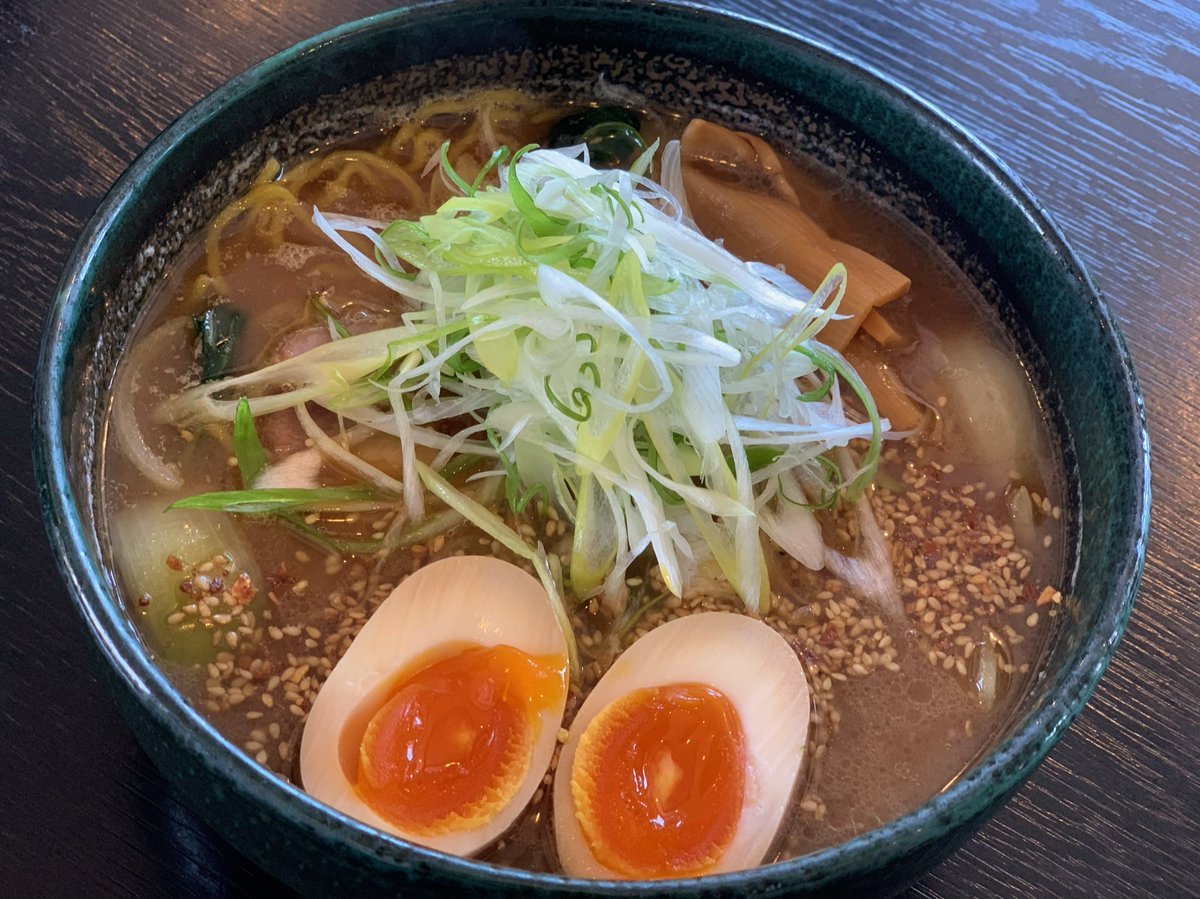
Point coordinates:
[(658, 781), (451, 746)]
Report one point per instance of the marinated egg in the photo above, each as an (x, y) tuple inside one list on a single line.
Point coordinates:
[(684, 758), (440, 721)]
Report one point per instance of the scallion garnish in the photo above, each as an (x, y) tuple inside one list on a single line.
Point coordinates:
[(570, 329), (251, 458), (272, 500)]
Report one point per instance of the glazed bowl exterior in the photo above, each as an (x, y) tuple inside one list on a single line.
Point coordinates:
[(682, 57)]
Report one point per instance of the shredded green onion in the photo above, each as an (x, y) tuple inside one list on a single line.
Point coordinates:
[(459, 465), (605, 357), (467, 189), (579, 396), (281, 499), (323, 308), (829, 491), (251, 457), (497, 158), (592, 369), (323, 540), (541, 223)]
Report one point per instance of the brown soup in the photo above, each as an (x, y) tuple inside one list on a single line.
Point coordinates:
[(249, 613)]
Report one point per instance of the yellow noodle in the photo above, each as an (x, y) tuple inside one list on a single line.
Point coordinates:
[(259, 198), (494, 115), (268, 173), (505, 110), (395, 143), (202, 286), (372, 169), (424, 145), (493, 118)]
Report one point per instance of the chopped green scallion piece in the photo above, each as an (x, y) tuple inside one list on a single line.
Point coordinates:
[(247, 448)]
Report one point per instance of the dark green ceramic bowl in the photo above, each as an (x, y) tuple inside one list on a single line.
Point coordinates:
[(744, 73)]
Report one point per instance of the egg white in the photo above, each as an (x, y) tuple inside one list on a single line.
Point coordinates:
[(764, 680), (466, 599)]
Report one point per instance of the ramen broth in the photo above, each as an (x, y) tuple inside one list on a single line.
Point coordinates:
[(901, 708)]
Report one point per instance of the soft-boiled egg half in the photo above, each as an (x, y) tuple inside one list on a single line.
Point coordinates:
[(684, 758), (441, 720)]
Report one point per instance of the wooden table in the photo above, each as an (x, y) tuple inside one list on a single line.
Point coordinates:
[(1096, 107)]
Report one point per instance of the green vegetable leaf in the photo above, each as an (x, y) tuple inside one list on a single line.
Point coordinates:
[(218, 328), (613, 144)]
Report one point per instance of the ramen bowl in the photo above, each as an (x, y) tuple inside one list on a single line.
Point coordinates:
[(684, 58)]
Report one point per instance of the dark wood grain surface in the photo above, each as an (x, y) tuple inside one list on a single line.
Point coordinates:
[(1095, 106)]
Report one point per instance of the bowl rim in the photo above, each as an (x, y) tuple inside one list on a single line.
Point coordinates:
[(1005, 766)]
